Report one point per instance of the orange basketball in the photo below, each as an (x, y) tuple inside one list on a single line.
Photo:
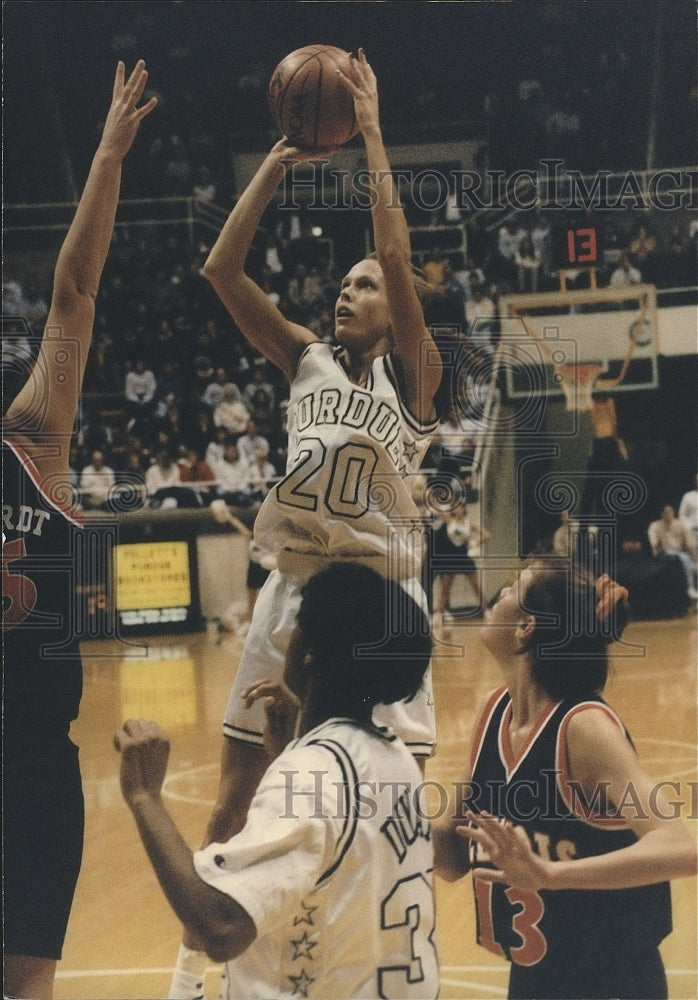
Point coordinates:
[(309, 102)]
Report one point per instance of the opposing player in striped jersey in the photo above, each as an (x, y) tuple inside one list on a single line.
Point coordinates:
[(42, 678), (327, 889), (572, 844)]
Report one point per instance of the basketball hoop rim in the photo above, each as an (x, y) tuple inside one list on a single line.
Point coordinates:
[(577, 383), (579, 372)]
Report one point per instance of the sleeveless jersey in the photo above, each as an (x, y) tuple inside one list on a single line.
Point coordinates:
[(42, 677), (351, 451), (535, 792), (335, 868)]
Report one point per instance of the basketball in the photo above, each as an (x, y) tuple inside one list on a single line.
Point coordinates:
[(309, 102)]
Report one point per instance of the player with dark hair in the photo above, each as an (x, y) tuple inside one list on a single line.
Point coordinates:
[(327, 889), (42, 794), (571, 843)]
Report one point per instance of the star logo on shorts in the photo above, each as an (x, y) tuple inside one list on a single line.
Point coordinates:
[(302, 983), (303, 947), (409, 450), (307, 916)]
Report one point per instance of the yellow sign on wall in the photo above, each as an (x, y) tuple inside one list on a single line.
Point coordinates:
[(152, 575)]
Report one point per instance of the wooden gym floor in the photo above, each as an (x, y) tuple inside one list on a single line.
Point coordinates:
[(123, 938)]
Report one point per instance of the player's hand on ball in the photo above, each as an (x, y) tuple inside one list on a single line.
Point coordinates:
[(144, 750), (363, 88), (288, 154)]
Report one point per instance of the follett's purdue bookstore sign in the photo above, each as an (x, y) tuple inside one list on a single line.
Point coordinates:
[(156, 587)]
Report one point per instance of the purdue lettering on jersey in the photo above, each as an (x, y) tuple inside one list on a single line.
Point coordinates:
[(351, 452)]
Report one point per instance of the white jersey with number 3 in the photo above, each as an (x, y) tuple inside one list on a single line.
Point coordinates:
[(351, 452), (334, 866)]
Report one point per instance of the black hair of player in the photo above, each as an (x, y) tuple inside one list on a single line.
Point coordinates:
[(369, 640), (569, 645)]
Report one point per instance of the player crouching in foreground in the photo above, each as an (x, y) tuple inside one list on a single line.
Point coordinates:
[(312, 895), (571, 843)]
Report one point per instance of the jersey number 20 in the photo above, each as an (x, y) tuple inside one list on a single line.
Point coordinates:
[(347, 491)]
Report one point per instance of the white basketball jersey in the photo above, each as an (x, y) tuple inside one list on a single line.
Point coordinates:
[(334, 866), (351, 453)]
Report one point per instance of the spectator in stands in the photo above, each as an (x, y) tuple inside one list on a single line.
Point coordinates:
[(669, 536), (688, 511), (272, 257), (435, 266), (102, 371), (162, 474), (96, 482), (215, 448), (170, 382), (132, 474), (74, 474), (657, 586), (528, 265), (233, 475), (249, 442), (262, 472), (449, 300), (204, 188), (625, 273), (13, 301), (214, 393), (503, 265), (480, 315), (470, 277), (541, 237), (259, 380), (454, 443), (262, 411), (677, 263), (642, 250), (231, 413), (303, 292), (140, 390), (196, 472), (479, 388)]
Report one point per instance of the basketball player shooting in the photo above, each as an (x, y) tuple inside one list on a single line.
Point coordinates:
[(361, 416)]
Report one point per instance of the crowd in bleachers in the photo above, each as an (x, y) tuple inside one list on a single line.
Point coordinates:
[(170, 375)]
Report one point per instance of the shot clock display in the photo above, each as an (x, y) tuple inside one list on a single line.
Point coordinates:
[(576, 246)]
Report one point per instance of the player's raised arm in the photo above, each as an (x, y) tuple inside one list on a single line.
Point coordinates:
[(44, 410), (279, 340), (413, 349), (220, 925)]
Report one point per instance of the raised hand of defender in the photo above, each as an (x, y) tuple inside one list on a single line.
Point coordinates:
[(144, 750), (363, 87), (281, 707), (124, 116), (509, 849)]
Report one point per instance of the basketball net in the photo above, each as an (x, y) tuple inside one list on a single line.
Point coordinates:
[(577, 383)]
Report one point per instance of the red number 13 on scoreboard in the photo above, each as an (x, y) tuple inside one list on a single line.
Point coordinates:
[(581, 246)]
